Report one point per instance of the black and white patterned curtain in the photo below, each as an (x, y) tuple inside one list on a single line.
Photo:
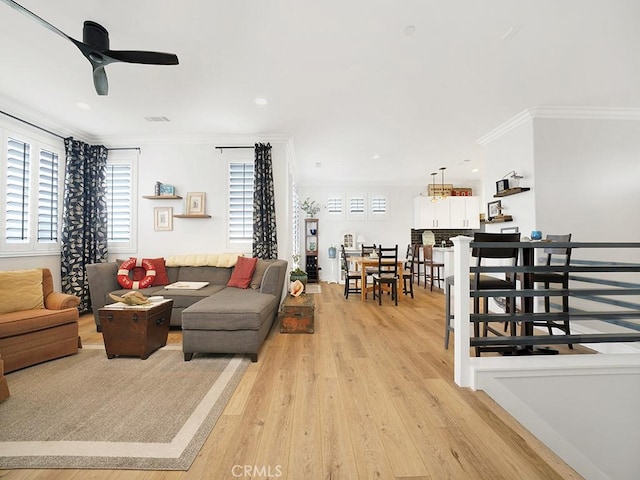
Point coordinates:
[(84, 218), (265, 241)]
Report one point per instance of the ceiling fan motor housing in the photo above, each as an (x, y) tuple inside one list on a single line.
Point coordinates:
[(95, 35)]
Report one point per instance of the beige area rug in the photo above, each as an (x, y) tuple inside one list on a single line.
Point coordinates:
[(313, 288), (86, 411)]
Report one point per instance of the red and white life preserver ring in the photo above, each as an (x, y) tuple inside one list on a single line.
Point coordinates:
[(123, 273)]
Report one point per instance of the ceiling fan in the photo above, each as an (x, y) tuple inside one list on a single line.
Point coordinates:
[(95, 47)]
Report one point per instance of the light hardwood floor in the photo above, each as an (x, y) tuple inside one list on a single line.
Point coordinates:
[(369, 395)]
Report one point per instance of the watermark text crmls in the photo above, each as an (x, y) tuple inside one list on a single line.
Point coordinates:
[(269, 471)]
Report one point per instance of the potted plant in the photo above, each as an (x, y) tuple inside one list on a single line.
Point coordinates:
[(310, 207), (297, 273)]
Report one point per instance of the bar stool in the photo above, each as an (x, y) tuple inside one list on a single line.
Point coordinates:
[(555, 278), (431, 268)]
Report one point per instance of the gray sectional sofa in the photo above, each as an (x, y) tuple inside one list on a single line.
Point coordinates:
[(214, 319)]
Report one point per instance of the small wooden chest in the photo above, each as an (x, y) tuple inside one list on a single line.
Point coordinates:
[(135, 331), (296, 314)]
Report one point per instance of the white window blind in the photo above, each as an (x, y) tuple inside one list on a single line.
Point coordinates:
[(241, 201), (334, 205), (17, 196), (356, 205), (378, 205), (119, 203), (48, 181)]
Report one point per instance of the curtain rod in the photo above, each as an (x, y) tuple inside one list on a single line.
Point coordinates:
[(32, 124), (59, 136), (222, 148)]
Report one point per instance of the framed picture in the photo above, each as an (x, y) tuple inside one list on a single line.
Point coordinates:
[(195, 203), (349, 241), (509, 230), (494, 209), (502, 185), (163, 219)]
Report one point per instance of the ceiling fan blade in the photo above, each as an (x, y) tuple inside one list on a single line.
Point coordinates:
[(35, 17), (147, 58), (100, 80)]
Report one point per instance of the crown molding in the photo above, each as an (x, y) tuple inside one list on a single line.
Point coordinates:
[(562, 113)]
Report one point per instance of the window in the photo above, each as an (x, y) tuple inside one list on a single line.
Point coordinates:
[(48, 180), (18, 190), (334, 205), (379, 206), (356, 205), (31, 188), (240, 202), (120, 194)]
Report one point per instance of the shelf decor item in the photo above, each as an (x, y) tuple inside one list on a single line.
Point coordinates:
[(494, 209), (502, 185), (163, 219), (166, 189), (310, 207), (195, 203)]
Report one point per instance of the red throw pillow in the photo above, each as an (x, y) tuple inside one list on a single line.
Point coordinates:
[(161, 277), (161, 272), (243, 272)]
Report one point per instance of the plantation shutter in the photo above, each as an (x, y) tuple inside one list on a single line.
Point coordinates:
[(119, 202), (241, 201), (17, 198), (48, 197)]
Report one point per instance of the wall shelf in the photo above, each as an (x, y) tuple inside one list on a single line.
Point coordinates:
[(503, 219), (192, 216), (511, 191), (162, 197)]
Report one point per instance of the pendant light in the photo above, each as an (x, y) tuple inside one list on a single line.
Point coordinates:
[(442, 192), (433, 190)]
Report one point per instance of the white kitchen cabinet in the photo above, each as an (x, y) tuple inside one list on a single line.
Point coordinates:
[(465, 212), (428, 214), (449, 212)]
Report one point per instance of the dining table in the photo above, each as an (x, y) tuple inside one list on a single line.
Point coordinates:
[(363, 262)]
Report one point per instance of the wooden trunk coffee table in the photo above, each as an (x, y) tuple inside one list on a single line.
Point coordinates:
[(135, 331)]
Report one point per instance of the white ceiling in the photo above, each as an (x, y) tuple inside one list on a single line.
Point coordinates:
[(342, 78)]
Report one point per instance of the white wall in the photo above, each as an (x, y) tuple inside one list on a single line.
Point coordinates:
[(512, 151), (587, 174)]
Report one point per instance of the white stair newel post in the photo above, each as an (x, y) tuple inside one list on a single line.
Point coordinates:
[(461, 261)]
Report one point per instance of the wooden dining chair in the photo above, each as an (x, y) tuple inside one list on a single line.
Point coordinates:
[(387, 273), (367, 250), (409, 269), (351, 277), (432, 270)]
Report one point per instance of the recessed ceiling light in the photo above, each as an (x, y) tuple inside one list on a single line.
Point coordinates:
[(318, 164), (261, 101), (376, 156), (409, 30), (475, 170), (83, 105)]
